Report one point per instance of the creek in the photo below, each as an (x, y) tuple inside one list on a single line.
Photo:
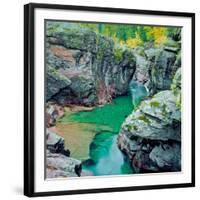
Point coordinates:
[(91, 135)]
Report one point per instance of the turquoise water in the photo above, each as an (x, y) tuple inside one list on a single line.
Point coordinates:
[(137, 91), (105, 156), (109, 160)]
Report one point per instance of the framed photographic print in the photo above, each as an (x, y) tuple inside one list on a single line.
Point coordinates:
[(108, 99)]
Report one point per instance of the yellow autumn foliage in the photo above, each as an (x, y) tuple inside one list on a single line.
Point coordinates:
[(158, 34), (133, 42)]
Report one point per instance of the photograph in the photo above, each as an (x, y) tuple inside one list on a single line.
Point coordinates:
[(102, 98), (112, 99), (109, 99)]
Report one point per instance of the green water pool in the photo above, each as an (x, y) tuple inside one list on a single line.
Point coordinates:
[(99, 136), (105, 157)]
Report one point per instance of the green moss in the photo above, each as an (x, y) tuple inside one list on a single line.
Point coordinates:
[(178, 100), (142, 53), (128, 126), (52, 29), (135, 127), (171, 43), (154, 104), (57, 75), (131, 127), (164, 110), (118, 54), (144, 118)]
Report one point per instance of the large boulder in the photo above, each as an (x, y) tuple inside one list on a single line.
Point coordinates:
[(151, 135), (155, 119), (58, 165)]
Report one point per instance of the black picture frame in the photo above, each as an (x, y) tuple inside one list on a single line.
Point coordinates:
[(29, 115)]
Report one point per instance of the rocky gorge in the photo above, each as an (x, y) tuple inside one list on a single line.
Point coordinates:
[(86, 70)]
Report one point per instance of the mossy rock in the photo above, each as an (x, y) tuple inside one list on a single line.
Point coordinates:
[(118, 54), (82, 40), (155, 103), (144, 118)]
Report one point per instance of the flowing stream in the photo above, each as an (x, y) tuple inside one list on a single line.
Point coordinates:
[(92, 135)]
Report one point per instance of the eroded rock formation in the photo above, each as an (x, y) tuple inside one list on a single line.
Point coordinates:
[(89, 69), (151, 135), (86, 68)]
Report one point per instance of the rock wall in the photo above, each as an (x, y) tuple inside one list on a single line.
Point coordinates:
[(86, 68), (156, 67), (151, 135)]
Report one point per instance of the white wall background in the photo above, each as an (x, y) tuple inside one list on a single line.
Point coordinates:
[(11, 97)]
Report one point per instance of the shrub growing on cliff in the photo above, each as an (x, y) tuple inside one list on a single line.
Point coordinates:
[(134, 42), (118, 53), (156, 34)]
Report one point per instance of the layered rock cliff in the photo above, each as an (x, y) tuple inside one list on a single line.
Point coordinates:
[(90, 69), (87, 68)]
